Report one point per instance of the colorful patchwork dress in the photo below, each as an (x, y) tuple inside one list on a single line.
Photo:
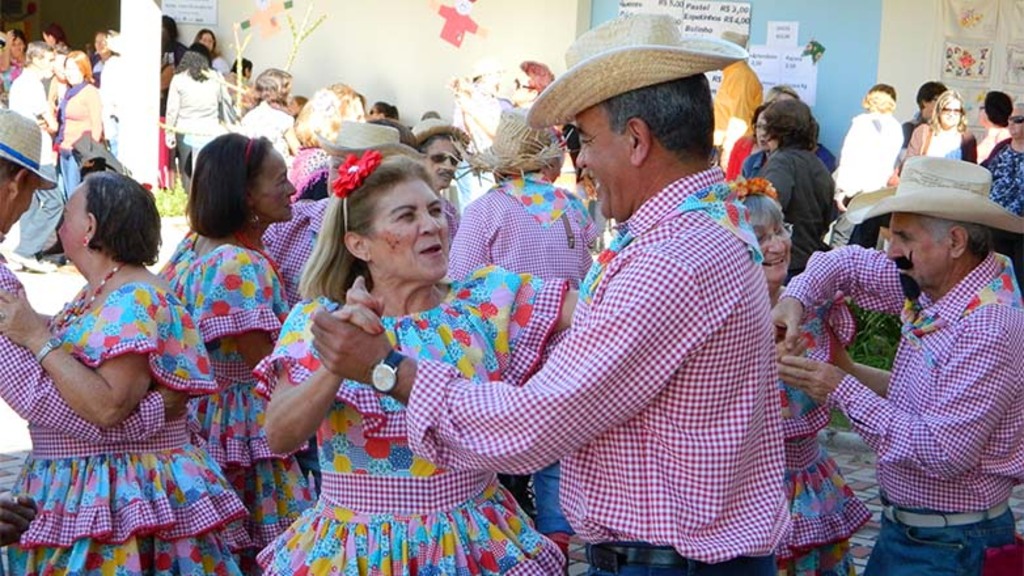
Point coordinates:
[(383, 510), (232, 291), (153, 506), (825, 511)]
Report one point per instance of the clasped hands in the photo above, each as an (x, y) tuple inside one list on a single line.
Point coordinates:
[(351, 340), (817, 379)]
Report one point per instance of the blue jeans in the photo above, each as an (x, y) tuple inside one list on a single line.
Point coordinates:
[(39, 222), (742, 566), (70, 172), (550, 518), (904, 551)]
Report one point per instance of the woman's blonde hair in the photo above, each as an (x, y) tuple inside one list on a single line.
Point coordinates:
[(323, 114), (941, 102), (332, 269), (880, 99)]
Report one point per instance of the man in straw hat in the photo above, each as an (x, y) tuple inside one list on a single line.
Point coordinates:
[(661, 400), (439, 142), (947, 423)]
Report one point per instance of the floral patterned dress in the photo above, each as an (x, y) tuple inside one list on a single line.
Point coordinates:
[(383, 510), (825, 511), (154, 506), (232, 291)]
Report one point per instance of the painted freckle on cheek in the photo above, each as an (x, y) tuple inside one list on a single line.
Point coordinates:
[(393, 241)]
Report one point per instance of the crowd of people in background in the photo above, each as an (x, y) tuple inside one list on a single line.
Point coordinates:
[(448, 346)]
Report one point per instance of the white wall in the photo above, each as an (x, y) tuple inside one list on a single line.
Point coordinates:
[(391, 50)]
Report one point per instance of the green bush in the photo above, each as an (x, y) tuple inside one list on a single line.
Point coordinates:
[(171, 201), (878, 335)]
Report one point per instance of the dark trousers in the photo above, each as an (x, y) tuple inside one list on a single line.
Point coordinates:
[(39, 222), (742, 566)]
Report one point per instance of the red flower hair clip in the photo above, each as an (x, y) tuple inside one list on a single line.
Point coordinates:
[(354, 171), (753, 187)]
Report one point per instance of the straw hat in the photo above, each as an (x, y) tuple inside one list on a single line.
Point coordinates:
[(940, 188), (21, 143), (517, 147), (358, 137), (629, 52), (431, 127)]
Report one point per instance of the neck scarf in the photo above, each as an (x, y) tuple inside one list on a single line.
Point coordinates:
[(62, 111), (1001, 290), (717, 201), (543, 201)]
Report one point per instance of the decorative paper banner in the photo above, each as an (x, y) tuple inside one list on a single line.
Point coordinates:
[(967, 61), (266, 16), (972, 18), (457, 21), (1015, 64)]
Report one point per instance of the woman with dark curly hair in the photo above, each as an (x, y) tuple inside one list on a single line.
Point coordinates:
[(803, 183)]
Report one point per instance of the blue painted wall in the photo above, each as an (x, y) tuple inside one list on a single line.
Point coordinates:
[(850, 32)]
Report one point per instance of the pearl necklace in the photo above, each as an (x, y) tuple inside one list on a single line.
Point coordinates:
[(81, 303)]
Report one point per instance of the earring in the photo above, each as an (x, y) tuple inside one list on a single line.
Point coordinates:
[(85, 241), (255, 218)]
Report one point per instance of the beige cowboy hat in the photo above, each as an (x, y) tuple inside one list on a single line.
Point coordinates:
[(431, 127), (358, 137), (517, 148), (629, 52), (940, 188), (21, 143)]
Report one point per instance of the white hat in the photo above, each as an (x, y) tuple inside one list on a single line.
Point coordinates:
[(21, 143), (358, 137), (431, 127), (940, 188), (629, 52)]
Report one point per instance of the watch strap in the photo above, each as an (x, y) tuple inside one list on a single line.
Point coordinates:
[(51, 345), (393, 359)]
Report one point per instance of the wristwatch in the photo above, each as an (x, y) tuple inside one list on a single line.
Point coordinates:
[(385, 374), (51, 345)]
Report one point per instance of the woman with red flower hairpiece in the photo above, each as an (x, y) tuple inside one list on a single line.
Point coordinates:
[(824, 509), (381, 509), (234, 291)]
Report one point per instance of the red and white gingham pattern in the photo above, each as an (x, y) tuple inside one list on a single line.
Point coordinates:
[(451, 216), (403, 495), (662, 400), (28, 389), (53, 444), (949, 438), (290, 244), (496, 229)]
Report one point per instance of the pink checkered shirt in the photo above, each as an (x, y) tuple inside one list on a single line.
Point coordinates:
[(661, 402), (948, 438), (30, 392), (290, 244), (496, 229)]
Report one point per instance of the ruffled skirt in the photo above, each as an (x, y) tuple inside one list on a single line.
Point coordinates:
[(487, 535), (824, 510), (273, 488), (166, 512)]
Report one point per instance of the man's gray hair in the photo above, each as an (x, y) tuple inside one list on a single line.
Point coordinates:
[(979, 237), (679, 114), (37, 50)]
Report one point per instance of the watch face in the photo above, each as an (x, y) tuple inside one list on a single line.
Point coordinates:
[(383, 378)]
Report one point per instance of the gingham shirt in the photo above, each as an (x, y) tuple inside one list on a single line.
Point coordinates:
[(497, 229), (948, 438), (290, 244), (31, 393), (662, 400)]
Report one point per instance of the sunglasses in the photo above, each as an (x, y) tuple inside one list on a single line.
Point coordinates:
[(957, 111), (1016, 119), (445, 157)]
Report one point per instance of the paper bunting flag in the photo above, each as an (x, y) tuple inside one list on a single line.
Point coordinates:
[(266, 16), (457, 22)]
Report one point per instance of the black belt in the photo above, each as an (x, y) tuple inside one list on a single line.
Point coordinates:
[(609, 557)]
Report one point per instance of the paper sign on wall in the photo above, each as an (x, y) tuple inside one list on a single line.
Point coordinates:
[(783, 34), (191, 11), (775, 65)]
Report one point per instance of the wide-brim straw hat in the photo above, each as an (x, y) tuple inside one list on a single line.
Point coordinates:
[(940, 188), (358, 137), (431, 127), (21, 143), (629, 52), (517, 148)]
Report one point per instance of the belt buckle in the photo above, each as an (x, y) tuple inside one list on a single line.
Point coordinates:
[(604, 560)]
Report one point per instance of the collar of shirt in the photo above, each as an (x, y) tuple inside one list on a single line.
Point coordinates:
[(666, 202), (951, 306)]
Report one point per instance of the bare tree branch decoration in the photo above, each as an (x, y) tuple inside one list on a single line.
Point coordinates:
[(300, 34)]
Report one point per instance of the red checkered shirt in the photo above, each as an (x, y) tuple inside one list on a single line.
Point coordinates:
[(496, 229), (30, 392), (948, 437), (661, 402), (290, 244)]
